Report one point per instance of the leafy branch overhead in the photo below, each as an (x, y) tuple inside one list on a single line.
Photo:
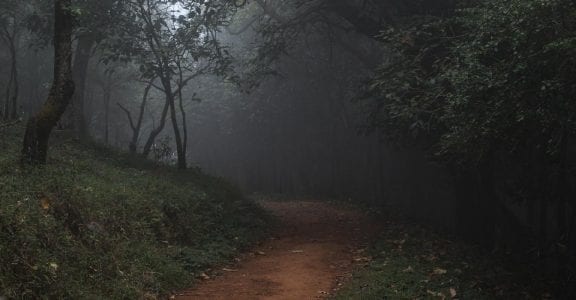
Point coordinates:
[(476, 92)]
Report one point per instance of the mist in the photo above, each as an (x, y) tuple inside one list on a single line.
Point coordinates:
[(399, 108)]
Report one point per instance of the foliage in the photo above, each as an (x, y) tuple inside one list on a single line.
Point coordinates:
[(484, 80), (91, 224), (409, 262), (164, 36), (488, 88)]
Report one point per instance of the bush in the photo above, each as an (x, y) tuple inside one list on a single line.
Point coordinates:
[(91, 224)]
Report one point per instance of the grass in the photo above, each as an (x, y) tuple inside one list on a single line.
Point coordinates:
[(411, 262), (97, 224)]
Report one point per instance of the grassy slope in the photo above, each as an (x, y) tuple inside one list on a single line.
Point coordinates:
[(411, 262), (94, 224)]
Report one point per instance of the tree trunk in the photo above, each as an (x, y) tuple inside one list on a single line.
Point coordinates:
[(156, 131), (561, 207), (183, 112), (7, 101), (107, 97), (562, 184), (80, 72), (174, 118), (488, 203), (136, 128), (14, 113), (11, 101), (39, 127), (14, 72)]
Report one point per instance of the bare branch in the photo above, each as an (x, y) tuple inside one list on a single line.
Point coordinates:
[(129, 114), (244, 27)]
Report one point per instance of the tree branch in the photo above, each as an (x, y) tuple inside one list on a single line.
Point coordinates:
[(129, 114), (244, 27)]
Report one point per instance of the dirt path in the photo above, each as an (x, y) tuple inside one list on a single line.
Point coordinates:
[(313, 251)]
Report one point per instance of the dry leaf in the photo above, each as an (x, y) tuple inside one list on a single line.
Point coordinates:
[(439, 271), (229, 270), (436, 294), (297, 251), (408, 270), (362, 259), (45, 202), (204, 276), (453, 292)]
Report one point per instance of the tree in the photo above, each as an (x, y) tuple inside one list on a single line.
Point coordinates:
[(486, 90), (174, 41), (136, 126), (39, 126), (10, 27), (95, 22)]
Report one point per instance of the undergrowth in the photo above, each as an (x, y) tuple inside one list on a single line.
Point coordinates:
[(411, 262), (96, 224)]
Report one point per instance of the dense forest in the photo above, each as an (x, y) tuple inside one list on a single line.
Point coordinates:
[(458, 115)]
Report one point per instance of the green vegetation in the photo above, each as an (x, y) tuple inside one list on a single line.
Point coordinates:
[(92, 225), (410, 262), (487, 88)]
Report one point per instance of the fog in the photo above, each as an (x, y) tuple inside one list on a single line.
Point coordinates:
[(356, 101)]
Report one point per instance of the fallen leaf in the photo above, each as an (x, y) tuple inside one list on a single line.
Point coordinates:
[(453, 292), (439, 271), (204, 276), (436, 294), (229, 270), (408, 270), (362, 259), (260, 253), (297, 251), (45, 202)]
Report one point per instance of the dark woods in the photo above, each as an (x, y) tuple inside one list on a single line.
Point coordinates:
[(487, 89), (460, 113)]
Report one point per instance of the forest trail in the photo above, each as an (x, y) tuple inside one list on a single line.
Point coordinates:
[(310, 254)]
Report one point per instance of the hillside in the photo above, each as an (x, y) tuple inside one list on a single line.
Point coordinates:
[(91, 224)]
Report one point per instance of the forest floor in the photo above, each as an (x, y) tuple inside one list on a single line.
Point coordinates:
[(95, 223), (312, 252), (320, 250)]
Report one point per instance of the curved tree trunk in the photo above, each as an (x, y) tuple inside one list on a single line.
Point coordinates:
[(156, 131), (39, 127)]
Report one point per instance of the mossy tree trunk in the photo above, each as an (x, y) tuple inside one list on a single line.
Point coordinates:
[(39, 127)]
